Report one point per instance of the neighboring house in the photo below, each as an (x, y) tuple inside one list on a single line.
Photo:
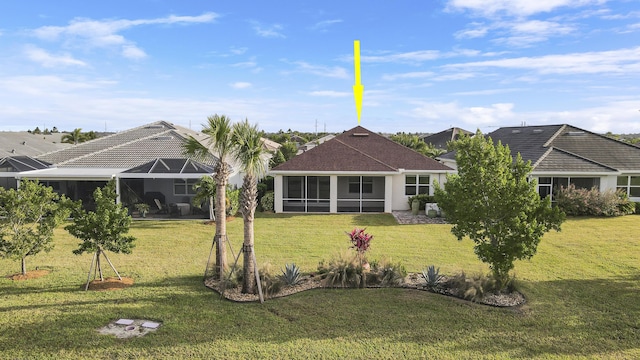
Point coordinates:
[(564, 154), (22, 143), (311, 144), (357, 171), (147, 163), (441, 139)]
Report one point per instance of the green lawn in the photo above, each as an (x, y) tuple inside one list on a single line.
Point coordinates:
[(582, 289)]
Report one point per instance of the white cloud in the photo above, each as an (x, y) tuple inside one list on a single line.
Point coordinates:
[(48, 60), (82, 32), (474, 115), (515, 7), (409, 75), (320, 70), (330, 93), (323, 25), (614, 61), (271, 31), (240, 85), (238, 50), (524, 33), (133, 52), (49, 85)]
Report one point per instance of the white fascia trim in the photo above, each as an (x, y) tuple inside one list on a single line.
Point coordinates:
[(570, 174), (311, 173), (159, 176)]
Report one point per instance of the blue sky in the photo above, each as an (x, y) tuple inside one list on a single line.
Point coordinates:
[(426, 65)]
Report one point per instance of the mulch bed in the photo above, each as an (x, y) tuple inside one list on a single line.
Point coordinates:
[(34, 274), (110, 283)]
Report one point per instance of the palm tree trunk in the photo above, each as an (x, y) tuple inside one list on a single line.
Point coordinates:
[(249, 276), (249, 194), (212, 214), (221, 220)]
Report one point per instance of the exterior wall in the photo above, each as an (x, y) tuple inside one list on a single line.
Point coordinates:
[(393, 190), (400, 200), (165, 186)]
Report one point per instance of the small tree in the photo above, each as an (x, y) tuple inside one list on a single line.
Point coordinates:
[(492, 201), (28, 217), (103, 229), (205, 190)]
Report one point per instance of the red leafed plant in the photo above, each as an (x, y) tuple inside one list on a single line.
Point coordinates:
[(360, 240)]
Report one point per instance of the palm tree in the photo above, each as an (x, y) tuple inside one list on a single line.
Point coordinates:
[(220, 144), (253, 160), (73, 137), (205, 190)]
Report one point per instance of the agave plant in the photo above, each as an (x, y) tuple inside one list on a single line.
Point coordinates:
[(291, 274), (432, 276)]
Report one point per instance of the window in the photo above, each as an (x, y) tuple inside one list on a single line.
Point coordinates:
[(416, 184), (184, 186), (548, 186), (630, 185)]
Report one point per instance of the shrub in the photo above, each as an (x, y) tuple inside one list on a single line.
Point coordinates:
[(344, 270), (637, 210), (386, 273), (271, 284), (233, 202), (592, 202), (423, 199), (267, 201), (432, 276), (291, 274)]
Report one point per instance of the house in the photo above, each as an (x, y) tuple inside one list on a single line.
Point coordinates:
[(311, 144), (23, 143), (356, 171), (147, 163), (441, 139), (564, 154)]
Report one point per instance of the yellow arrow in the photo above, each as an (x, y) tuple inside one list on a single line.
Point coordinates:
[(358, 89)]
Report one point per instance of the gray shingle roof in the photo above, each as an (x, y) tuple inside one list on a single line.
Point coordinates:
[(439, 140), (566, 148)]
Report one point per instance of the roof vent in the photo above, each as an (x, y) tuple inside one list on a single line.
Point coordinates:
[(163, 138), (361, 134), (155, 127), (537, 131), (516, 131), (575, 133)]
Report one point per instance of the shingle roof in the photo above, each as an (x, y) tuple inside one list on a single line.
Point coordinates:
[(360, 150), (566, 148), (440, 140), (127, 149)]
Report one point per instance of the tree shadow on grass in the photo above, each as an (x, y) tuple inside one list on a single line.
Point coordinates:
[(564, 317)]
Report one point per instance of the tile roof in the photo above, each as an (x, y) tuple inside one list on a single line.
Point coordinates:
[(566, 148), (360, 150), (127, 149), (24, 143)]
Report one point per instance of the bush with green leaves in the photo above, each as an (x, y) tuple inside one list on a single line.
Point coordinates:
[(593, 202), (28, 217), (267, 201), (432, 276), (233, 202), (424, 199), (291, 274)]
